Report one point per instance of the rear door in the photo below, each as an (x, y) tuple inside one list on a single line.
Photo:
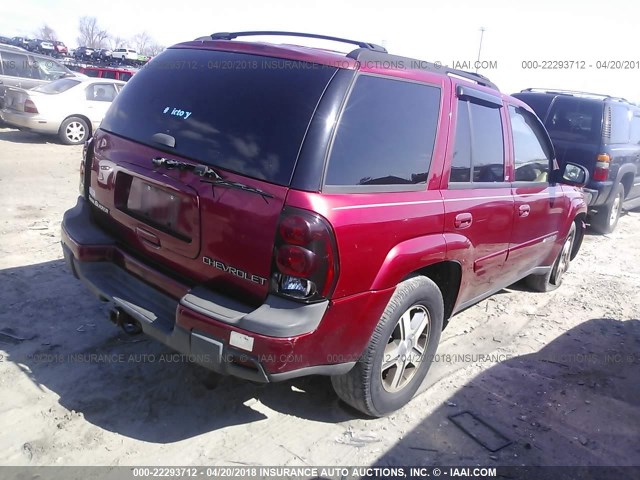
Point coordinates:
[(575, 127), (478, 201), (99, 97), (539, 207)]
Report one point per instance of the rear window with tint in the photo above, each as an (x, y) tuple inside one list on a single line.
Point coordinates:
[(575, 120), (620, 123), (386, 134), (539, 102), (244, 113), (58, 86)]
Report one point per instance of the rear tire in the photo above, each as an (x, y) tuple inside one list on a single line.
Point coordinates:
[(73, 131), (553, 279), (399, 353), (606, 220)]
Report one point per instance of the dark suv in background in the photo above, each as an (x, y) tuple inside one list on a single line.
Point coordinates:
[(603, 134), (278, 210)]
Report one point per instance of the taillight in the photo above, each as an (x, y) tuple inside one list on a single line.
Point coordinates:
[(601, 172), (305, 263), (30, 107)]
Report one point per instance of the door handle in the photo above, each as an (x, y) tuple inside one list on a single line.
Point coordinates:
[(523, 210), (463, 220)]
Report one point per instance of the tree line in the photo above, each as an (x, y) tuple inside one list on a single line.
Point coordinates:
[(91, 34)]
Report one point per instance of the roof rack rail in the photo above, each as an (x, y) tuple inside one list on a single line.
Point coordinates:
[(232, 35), (412, 63), (473, 76), (574, 92)]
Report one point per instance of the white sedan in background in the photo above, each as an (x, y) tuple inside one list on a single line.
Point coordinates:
[(71, 108)]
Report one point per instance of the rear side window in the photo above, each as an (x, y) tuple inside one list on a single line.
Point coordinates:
[(575, 120), (539, 102), (125, 76), (17, 65), (101, 92), (57, 86), (479, 146), (108, 74), (244, 113), (635, 129), (386, 134), (620, 123)]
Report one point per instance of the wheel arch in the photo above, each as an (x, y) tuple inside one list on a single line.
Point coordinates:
[(624, 176), (447, 275), (627, 182), (579, 220), (83, 117)]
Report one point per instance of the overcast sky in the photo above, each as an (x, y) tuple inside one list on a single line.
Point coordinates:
[(583, 31)]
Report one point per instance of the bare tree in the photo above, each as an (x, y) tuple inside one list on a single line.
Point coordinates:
[(117, 42), (46, 33), (153, 49), (91, 35), (140, 41)]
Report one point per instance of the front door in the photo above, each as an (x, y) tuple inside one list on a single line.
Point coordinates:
[(538, 206)]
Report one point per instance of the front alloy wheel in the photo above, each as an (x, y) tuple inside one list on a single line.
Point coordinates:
[(553, 278)]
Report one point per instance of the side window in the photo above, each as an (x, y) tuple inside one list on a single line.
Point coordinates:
[(461, 161), (530, 148), (635, 129), (620, 124), (479, 146), (15, 65), (101, 92), (109, 74), (488, 146), (92, 72), (575, 120), (125, 76), (386, 134)]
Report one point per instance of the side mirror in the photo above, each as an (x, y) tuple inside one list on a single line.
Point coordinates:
[(573, 174)]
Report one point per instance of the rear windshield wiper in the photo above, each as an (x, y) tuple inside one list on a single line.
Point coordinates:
[(221, 182), (214, 178)]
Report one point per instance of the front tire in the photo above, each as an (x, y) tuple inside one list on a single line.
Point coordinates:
[(399, 353), (73, 131), (606, 220), (553, 279)]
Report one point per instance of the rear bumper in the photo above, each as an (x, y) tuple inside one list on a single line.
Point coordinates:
[(279, 340), (599, 192), (29, 121)]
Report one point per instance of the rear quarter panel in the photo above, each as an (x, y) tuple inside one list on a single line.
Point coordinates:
[(382, 237)]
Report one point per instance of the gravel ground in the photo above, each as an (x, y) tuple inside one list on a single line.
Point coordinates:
[(555, 374)]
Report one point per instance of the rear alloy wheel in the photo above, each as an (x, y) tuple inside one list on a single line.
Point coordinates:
[(553, 279), (606, 220), (399, 353), (73, 131)]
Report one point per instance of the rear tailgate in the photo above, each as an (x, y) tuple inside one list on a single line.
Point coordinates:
[(243, 120), (213, 235)]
